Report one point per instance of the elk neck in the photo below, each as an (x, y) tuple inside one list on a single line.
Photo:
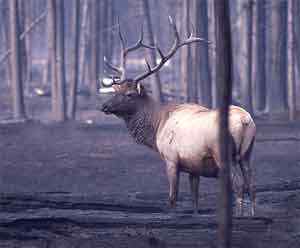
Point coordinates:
[(144, 123)]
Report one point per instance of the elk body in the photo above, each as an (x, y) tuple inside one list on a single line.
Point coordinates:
[(185, 135)]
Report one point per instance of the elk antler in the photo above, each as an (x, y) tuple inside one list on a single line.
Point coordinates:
[(121, 71), (164, 58)]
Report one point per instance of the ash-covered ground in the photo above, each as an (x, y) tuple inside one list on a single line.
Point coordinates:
[(90, 185)]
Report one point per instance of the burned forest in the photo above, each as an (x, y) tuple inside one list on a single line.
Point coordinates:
[(147, 123)]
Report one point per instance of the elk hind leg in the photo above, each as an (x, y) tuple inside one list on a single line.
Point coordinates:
[(248, 186), (194, 184), (173, 178)]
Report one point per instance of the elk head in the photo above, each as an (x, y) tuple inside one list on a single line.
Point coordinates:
[(129, 92)]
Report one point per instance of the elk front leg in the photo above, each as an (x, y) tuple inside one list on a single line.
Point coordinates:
[(194, 184), (173, 177)]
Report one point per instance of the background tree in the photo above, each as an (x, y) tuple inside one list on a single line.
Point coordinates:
[(224, 80), (258, 55), (202, 67), (5, 38), (242, 42), (51, 22), (75, 64), (95, 47), (155, 83), (16, 63), (60, 62), (276, 52)]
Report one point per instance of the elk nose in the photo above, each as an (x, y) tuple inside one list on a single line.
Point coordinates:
[(104, 108)]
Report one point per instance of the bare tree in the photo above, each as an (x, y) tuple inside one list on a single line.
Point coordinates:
[(212, 52), (192, 62), (5, 37), (16, 64), (186, 58), (155, 84), (242, 33), (51, 22), (75, 65), (83, 40), (201, 62), (60, 62), (276, 50), (95, 46), (291, 59), (25, 13), (258, 55), (223, 78), (296, 34)]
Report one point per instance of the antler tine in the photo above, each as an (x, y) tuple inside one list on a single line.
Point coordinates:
[(148, 65), (138, 44), (164, 58), (123, 43), (176, 33), (113, 67)]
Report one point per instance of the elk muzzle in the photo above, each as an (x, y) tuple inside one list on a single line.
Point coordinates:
[(105, 108)]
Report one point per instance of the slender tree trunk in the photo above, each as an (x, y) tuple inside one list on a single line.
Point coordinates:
[(242, 32), (26, 48), (155, 84), (95, 47), (51, 22), (60, 62), (276, 56), (212, 53), (16, 65), (223, 78), (296, 34), (202, 59), (28, 43), (6, 41), (193, 60), (258, 55), (186, 54), (109, 34), (291, 61), (83, 41), (75, 65)]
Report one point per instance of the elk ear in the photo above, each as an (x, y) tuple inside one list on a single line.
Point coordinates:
[(139, 88)]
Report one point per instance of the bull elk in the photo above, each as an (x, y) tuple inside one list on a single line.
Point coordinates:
[(185, 135)]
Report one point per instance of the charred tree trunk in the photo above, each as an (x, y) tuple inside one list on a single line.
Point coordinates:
[(223, 78), (25, 43), (291, 60), (193, 60), (202, 67), (296, 34), (242, 33), (60, 62), (5, 37), (83, 42), (212, 53), (95, 47), (186, 55), (75, 65), (258, 55), (16, 63), (109, 34), (155, 84), (276, 56), (51, 22)]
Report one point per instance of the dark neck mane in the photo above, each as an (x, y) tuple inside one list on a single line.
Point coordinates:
[(143, 124)]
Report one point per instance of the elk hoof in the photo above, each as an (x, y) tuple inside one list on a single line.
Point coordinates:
[(172, 203)]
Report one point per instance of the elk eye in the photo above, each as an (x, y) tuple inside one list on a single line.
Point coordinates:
[(130, 94)]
